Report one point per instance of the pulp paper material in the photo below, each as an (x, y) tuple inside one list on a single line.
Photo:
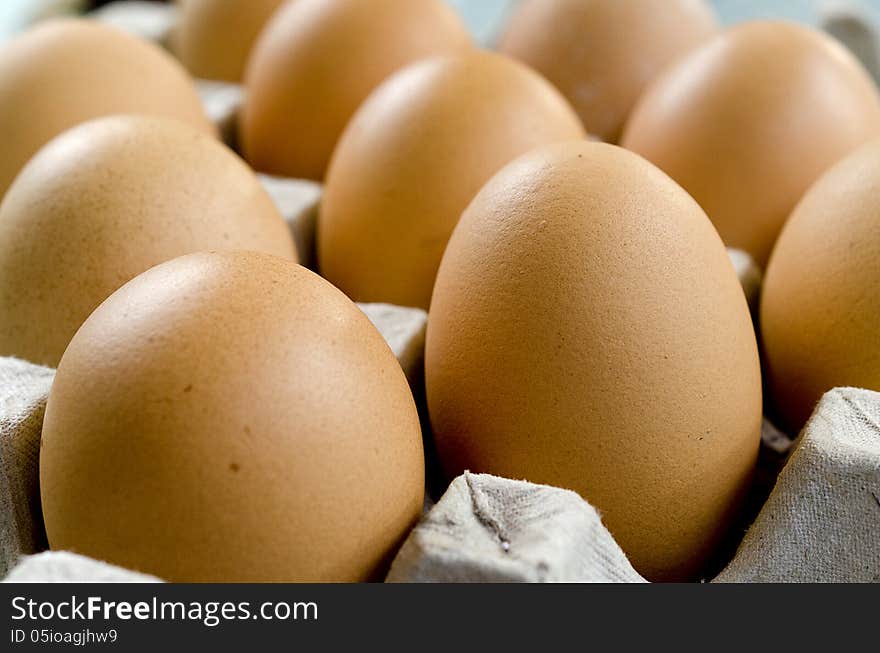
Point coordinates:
[(24, 389), (298, 201), (153, 21), (489, 529), (775, 440), (822, 520), (849, 23), (820, 524), (63, 567), (749, 274), (404, 331), (775, 449), (222, 102)]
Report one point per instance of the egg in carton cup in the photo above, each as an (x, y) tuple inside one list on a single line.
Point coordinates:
[(514, 530), (26, 388), (298, 201), (818, 525)]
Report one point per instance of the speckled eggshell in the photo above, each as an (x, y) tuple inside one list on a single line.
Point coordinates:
[(412, 159), (65, 72), (317, 60), (749, 121), (231, 417), (106, 201), (603, 53), (588, 331), (820, 310), (213, 38)]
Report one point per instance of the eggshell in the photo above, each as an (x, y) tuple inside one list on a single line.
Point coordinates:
[(213, 38), (412, 159), (65, 72), (588, 331), (231, 417), (317, 60), (603, 53), (820, 311), (146, 19), (750, 120), (106, 201)]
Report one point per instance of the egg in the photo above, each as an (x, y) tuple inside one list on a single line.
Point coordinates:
[(750, 120), (820, 310), (65, 72), (104, 202), (231, 417), (317, 60), (213, 38), (588, 331), (603, 53), (414, 156)]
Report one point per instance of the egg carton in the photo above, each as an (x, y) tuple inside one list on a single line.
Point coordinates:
[(814, 521), (819, 523), (24, 389), (153, 21), (483, 527)]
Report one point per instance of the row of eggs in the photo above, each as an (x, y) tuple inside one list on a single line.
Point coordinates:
[(232, 416)]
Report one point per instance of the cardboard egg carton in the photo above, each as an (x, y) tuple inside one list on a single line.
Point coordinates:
[(153, 21), (24, 389), (298, 201), (222, 101), (819, 523), (819, 498), (64, 567), (538, 533)]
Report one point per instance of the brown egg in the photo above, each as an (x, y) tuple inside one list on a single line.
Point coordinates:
[(603, 53), (588, 331), (820, 311), (749, 121), (107, 200), (65, 72), (412, 159), (317, 60), (231, 417), (213, 38)]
